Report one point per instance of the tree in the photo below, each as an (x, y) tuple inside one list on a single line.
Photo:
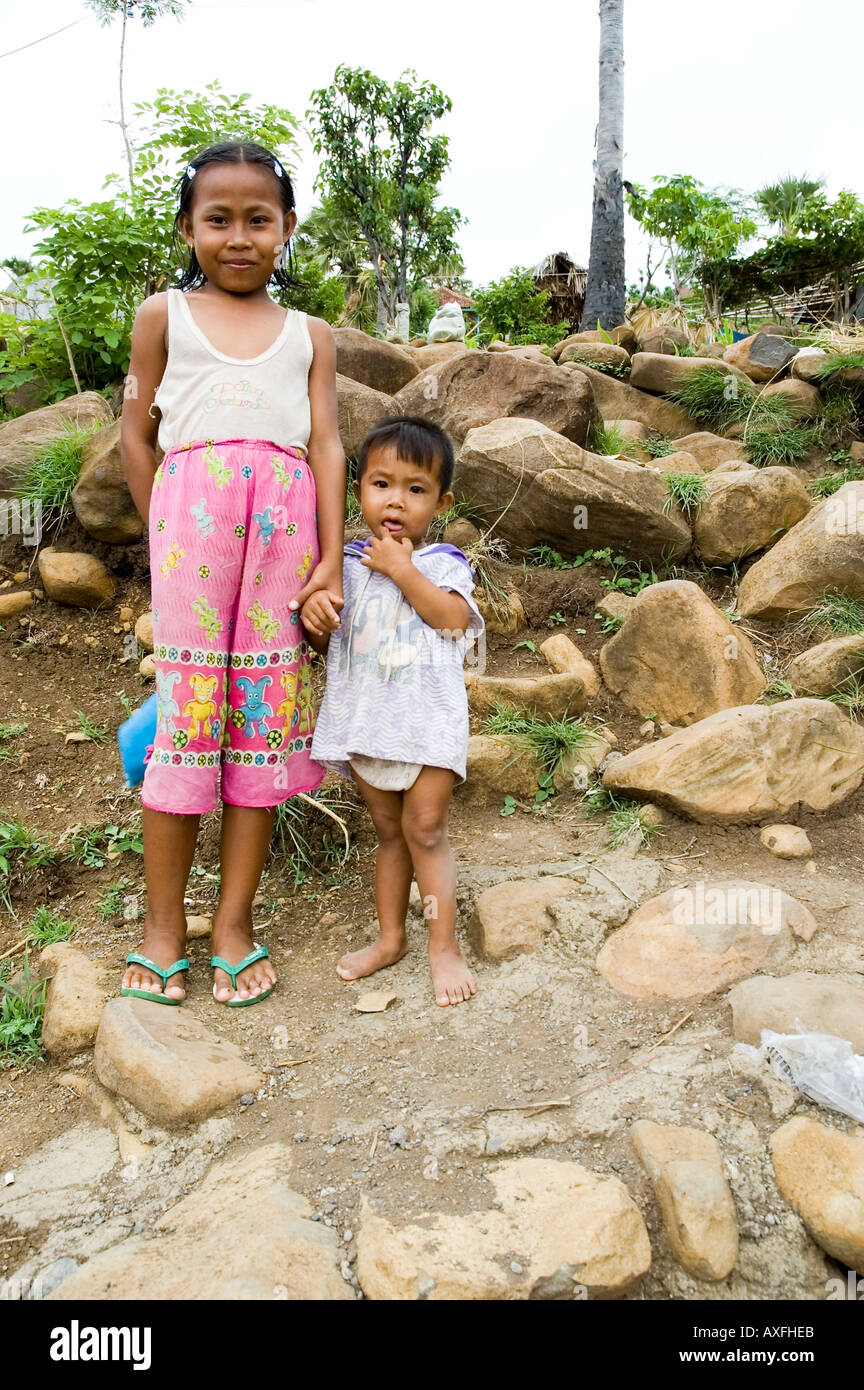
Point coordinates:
[(512, 308), (148, 11), (783, 203), (605, 287), (380, 173), (700, 228)]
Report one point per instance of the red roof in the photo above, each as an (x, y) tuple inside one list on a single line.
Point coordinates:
[(453, 297)]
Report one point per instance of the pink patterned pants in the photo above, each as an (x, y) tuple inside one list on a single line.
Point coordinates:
[(233, 538)]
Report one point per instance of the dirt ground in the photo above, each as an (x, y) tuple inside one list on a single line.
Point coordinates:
[(409, 1107)]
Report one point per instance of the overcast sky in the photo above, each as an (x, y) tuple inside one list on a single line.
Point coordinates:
[(736, 93)]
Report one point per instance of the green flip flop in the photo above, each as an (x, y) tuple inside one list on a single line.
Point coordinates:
[(135, 958), (257, 953)]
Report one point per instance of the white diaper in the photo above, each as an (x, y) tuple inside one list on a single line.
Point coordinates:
[(387, 776)]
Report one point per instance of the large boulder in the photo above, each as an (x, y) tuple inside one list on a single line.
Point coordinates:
[(596, 354), (76, 579), (192, 1251), (475, 388), (101, 498), (617, 400), (823, 669), (679, 657), (569, 1227), (383, 366), (748, 511), (803, 399), (709, 450), (511, 917), (762, 356), (690, 942), (22, 438), (558, 493), (665, 338), (820, 1171), (744, 765), (824, 553), (816, 1003), (360, 407), (808, 362), (498, 765), (548, 696), (685, 1166), (427, 354), (657, 372), (167, 1063)]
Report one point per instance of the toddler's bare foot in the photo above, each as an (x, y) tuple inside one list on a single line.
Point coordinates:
[(451, 978), (232, 941), (384, 951)]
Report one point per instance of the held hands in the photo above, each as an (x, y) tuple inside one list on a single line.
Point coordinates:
[(387, 555), (320, 612)]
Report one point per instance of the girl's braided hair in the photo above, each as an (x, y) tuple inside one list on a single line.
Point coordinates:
[(232, 152)]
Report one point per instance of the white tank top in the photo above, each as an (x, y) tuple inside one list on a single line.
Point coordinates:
[(206, 395)]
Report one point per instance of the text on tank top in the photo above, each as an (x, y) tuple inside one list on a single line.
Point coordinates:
[(204, 394)]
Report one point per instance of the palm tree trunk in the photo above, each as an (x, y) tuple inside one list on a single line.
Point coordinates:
[(123, 126), (605, 289)]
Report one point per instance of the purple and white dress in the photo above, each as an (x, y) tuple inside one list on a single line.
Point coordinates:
[(395, 689)]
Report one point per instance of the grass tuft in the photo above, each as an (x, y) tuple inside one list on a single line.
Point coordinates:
[(689, 490), (48, 927), (21, 1012), (840, 613), (659, 446), (52, 474), (626, 823), (548, 739)]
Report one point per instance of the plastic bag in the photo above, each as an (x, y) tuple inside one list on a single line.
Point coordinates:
[(821, 1067)]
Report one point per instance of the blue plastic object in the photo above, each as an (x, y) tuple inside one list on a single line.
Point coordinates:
[(135, 736)]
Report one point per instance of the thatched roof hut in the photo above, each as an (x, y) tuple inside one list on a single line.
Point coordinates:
[(564, 282)]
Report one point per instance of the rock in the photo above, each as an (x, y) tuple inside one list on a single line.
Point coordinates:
[(565, 658), (360, 408), (78, 580), (693, 941), (787, 841), (502, 615), (616, 605), (147, 667), (383, 366), (748, 511), (565, 496), (498, 765), (679, 462), (660, 373), (816, 1003), (856, 454), (571, 1228), (604, 354), (804, 400), (820, 1172), (616, 400), (686, 1168), (632, 432), (603, 900), (511, 917), (101, 498), (477, 387), (665, 338), (144, 631), (807, 362), (743, 765), (577, 765), (10, 604), (823, 669), (823, 553), (428, 354), (192, 1251), (22, 438), (709, 450), (532, 353), (461, 533), (197, 926), (762, 356), (625, 336), (554, 696), (679, 657), (167, 1063), (711, 350), (74, 1000)]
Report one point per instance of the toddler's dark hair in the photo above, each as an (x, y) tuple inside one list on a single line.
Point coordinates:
[(416, 441), (231, 152)]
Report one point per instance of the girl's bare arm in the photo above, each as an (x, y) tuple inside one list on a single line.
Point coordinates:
[(139, 428), (327, 462)]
